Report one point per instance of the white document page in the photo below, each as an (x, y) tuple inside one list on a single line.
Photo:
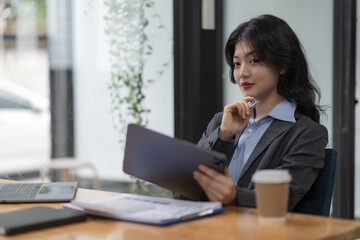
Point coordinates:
[(144, 208)]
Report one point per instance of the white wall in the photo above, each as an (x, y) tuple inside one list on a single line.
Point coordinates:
[(311, 20), (95, 138)]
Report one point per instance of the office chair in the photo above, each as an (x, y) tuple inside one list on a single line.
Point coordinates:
[(317, 201)]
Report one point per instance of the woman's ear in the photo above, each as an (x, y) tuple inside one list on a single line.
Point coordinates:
[(283, 70)]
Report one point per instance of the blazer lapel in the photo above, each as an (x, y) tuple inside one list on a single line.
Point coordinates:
[(276, 128)]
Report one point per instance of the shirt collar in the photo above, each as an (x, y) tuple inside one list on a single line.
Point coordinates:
[(284, 111)]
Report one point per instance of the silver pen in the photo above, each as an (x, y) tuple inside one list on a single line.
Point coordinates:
[(253, 104)]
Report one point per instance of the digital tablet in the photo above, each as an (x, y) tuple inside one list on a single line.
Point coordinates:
[(167, 162)]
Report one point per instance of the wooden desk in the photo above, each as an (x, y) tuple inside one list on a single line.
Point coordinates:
[(234, 223)]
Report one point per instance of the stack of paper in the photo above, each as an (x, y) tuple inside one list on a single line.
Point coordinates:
[(145, 209)]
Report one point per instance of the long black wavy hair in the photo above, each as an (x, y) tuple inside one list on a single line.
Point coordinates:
[(272, 39)]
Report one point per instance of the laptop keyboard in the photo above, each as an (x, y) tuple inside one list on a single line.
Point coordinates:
[(19, 190)]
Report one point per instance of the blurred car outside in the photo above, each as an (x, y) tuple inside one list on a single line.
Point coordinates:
[(24, 129)]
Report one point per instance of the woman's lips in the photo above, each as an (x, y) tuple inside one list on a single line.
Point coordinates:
[(246, 85)]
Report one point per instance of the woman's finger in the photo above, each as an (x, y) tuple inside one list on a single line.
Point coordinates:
[(219, 177), (212, 189), (217, 186)]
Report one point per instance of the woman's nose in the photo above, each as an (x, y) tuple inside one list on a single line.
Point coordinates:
[(244, 71)]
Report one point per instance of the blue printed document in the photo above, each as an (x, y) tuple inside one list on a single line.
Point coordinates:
[(146, 209)]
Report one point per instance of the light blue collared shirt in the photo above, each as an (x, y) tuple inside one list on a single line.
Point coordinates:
[(254, 131)]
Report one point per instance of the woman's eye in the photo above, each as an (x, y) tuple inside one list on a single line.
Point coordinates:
[(236, 64), (254, 60)]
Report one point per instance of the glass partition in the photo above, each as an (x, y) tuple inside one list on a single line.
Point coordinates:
[(96, 139), (24, 81), (24, 92)]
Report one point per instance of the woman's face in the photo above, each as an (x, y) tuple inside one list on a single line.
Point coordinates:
[(252, 75)]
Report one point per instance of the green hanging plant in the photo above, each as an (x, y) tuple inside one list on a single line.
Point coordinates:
[(125, 25)]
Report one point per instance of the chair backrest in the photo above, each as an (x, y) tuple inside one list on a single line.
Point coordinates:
[(318, 200)]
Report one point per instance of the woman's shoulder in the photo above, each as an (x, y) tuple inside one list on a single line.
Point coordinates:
[(304, 121)]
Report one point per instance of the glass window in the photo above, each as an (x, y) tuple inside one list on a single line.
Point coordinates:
[(24, 92), (72, 35), (96, 139)]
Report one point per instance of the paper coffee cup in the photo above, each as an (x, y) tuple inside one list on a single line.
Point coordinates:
[(272, 194)]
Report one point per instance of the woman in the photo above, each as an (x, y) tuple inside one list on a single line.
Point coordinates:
[(281, 132)]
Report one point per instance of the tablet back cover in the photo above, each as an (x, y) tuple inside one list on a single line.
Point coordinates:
[(167, 162)]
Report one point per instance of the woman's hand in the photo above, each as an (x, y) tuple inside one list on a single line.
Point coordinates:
[(235, 118), (217, 186)]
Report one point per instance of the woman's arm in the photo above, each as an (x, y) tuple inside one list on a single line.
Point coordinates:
[(302, 154), (210, 138)]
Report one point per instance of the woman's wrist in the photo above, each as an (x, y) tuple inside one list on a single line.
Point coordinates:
[(223, 135)]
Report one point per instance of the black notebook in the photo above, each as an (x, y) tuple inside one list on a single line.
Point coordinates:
[(33, 218)]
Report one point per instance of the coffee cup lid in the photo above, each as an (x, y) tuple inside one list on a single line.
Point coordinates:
[(271, 176)]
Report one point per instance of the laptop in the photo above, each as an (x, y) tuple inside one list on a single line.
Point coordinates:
[(37, 192), (167, 162)]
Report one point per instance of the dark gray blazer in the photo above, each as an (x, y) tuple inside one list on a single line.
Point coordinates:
[(298, 147)]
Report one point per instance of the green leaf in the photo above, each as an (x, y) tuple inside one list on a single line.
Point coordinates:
[(146, 23), (149, 4)]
